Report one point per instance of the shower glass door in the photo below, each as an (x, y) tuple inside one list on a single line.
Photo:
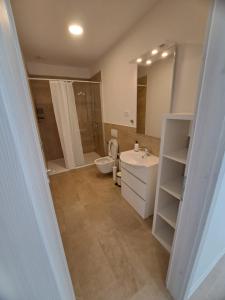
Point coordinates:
[(88, 104)]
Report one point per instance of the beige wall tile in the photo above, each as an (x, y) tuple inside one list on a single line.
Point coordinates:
[(127, 137), (40, 90)]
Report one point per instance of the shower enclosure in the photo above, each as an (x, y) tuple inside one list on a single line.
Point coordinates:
[(88, 104), (89, 114)]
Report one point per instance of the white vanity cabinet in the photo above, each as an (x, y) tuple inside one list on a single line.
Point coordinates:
[(138, 181)]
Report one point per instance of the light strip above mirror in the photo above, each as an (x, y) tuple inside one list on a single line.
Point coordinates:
[(160, 52)]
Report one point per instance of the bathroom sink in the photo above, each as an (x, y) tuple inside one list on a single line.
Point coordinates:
[(138, 158), (138, 180)]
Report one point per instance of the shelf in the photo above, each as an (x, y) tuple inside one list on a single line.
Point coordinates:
[(164, 235), (174, 187), (175, 141), (179, 156), (169, 213)]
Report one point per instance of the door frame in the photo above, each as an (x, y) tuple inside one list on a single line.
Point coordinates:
[(207, 149), (17, 109)]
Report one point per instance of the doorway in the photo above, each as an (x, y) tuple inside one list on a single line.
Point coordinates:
[(86, 184)]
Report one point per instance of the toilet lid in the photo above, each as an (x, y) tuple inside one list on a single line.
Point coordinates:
[(113, 148)]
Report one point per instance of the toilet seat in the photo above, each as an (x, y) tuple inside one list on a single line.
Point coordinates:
[(104, 160), (105, 164)]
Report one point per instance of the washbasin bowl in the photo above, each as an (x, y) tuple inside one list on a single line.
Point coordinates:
[(138, 158)]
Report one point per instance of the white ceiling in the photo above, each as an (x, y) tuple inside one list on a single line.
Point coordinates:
[(42, 27)]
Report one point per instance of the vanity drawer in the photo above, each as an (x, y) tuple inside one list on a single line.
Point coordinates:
[(137, 185), (141, 173), (133, 199)]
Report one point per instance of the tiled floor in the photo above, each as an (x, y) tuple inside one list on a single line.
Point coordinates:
[(213, 287), (110, 250), (90, 157), (58, 165)]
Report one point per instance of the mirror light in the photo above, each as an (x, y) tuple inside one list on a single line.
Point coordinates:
[(164, 54), (139, 60), (155, 51), (148, 62), (76, 29)]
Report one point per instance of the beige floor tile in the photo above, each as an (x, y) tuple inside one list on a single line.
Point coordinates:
[(110, 250), (151, 292), (213, 287)]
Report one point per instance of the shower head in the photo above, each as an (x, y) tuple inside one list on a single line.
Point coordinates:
[(81, 94)]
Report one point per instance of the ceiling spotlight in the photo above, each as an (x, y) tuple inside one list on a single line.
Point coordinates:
[(155, 51), (164, 54), (76, 29), (139, 60), (148, 62)]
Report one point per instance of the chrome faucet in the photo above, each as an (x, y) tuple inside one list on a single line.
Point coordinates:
[(146, 151)]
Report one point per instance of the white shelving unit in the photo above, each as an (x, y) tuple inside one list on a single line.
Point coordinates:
[(174, 187), (179, 156), (173, 160), (169, 213)]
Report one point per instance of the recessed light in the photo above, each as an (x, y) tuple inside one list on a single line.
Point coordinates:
[(148, 62), (155, 51), (139, 60), (76, 29), (164, 54)]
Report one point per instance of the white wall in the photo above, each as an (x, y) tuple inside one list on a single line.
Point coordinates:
[(43, 69), (212, 246), (181, 21), (188, 66)]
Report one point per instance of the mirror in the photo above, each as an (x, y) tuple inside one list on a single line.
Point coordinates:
[(155, 73)]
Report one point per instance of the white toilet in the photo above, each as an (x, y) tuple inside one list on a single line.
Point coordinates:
[(105, 164)]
